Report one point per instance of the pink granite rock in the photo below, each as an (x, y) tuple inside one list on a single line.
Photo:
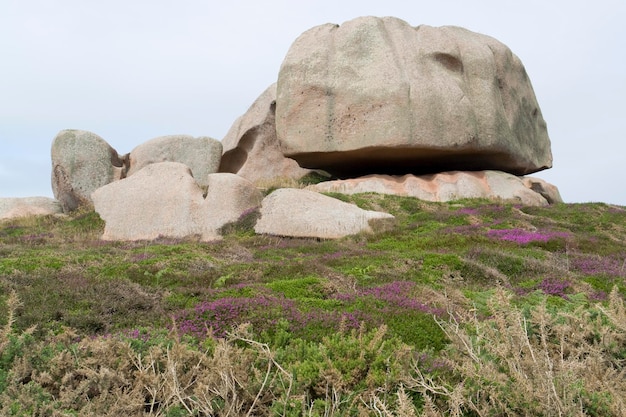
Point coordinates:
[(251, 148), (445, 186), (378, 96), (303, 213), (164, 200)]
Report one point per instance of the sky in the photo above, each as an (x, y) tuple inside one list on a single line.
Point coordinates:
[(133, 70)]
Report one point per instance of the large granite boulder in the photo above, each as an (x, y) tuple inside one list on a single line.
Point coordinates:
[(377, 96), (202, 155), (82, 162), (251, 148), (164, 200), (303, 213), (449, 186), (11, 208)]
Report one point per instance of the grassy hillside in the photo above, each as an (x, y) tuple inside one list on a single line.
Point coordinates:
[(467, 308)]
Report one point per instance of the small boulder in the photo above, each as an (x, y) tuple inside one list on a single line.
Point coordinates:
[(202, 155), (378, 96), (164, 200), (82, 162), (442, 187), (549, 191), (251, 148), (11, 208), (303, 213)]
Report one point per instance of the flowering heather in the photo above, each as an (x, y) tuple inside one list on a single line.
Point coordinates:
[(523, 237), (137, 334), (263, 312), (557, 288), (601, 265), (554, 287), (468, 211), (247, 212), (598, 295), (334, 255), (396, 294), (220, 315), (431, 364)]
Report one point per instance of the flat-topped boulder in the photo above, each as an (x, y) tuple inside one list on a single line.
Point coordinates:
[(302, 213), (11, 208), (449, 186), (378, 96)]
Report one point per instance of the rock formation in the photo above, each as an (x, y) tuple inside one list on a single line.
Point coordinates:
[(164, 200), (202, 155), (11, 208), (82, 162), (377, 96), (251, 148), (303, 213), (433, 113), (447, 186)]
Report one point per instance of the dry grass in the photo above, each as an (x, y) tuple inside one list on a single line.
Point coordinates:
[(536, 364), (107, 377), (516, 363), (12, 303)]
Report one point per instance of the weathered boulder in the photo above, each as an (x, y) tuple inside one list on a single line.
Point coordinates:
[(228, 197), (303, 213), (202, 155), (445, 186), (549, 191), (251, 148), (377, 96), (164, 200), (11, 208), (82, 162), (160, 200)]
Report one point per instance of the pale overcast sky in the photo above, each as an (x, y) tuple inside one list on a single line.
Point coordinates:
[(132, 70)]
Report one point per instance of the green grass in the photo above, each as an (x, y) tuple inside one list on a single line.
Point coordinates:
[(429, 245)]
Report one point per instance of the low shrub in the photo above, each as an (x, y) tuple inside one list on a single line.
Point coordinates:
[(548, 364)]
